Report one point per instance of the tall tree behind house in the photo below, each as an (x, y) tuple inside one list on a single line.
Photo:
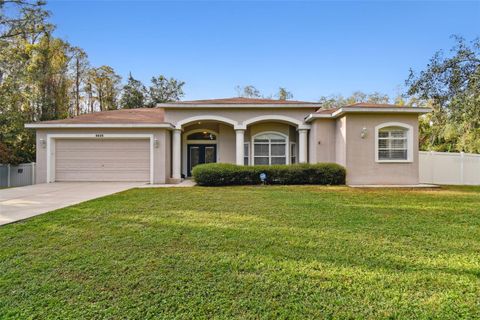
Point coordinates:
[(134, 94), (451, 85)]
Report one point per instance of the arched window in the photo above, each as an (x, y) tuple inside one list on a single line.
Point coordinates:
[(202, 135), (269, 148), (394, 143)]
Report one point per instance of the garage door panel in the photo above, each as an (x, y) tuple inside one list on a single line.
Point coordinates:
[(105, 142), (104, 176), (100, 169), (107, 147), (102, 160), (84, 160), (104, 165)]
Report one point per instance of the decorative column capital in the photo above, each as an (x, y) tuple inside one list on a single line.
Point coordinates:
[(240, 127), (303, 127)]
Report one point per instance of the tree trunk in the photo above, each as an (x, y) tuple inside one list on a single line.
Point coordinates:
[(77, 88)]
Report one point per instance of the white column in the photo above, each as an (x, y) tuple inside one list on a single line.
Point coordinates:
[(302, 145), (239, 133), (176, 153)]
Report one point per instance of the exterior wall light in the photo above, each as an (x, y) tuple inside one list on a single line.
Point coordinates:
[(156, 144), (363, 134), (43, 143)]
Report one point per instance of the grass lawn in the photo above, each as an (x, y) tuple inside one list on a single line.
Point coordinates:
[(248, 252)]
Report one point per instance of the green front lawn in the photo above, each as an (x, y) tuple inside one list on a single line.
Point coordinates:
[(248, 252)]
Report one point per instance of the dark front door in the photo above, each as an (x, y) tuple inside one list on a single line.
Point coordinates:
[(200, 153)]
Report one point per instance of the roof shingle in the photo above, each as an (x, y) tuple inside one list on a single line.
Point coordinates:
[(240, 100), (122, 116)]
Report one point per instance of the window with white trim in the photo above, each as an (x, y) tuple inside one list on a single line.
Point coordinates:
[(269, 148), (293, 152), (392, 144), (246, 152)]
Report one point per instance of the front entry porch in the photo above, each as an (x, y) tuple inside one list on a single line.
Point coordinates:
[(263, 141)]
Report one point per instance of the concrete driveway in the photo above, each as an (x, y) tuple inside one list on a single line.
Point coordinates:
[(25, 202)]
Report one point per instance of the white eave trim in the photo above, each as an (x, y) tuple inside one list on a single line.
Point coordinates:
[(97, 125), (342, 111), (312, 116), (240, 106)]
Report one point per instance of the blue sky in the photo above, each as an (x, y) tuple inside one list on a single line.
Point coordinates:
[(311, 48)]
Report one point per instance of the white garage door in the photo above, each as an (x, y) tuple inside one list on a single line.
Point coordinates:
[(102, 160)]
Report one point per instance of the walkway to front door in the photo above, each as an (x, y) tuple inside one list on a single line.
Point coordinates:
[(200, 153)]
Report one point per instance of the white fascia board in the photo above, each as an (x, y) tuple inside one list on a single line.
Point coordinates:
[(97, 125), (343, 111), (233, 106), (313, 116)]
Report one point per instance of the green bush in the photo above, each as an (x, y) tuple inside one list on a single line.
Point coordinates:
[(224, 174)]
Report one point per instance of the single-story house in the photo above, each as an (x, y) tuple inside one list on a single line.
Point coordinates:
[(377, 143)]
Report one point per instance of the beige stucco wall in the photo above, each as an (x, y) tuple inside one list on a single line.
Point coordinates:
[(168, 155), (41, 157), (257, 128), (341, 141), (213, 126), (226, 144), (322, 141), (360, 153), (160, 154), (236, 114)]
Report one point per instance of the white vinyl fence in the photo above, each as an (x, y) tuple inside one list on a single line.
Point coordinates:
[(17, 176), (449, 168)]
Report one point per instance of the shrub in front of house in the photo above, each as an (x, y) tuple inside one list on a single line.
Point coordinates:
[(224, 174)]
